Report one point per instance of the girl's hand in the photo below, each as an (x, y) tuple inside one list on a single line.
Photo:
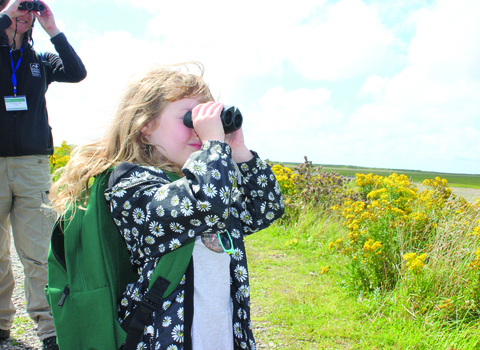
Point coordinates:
[(207, 123), (12, 10), (47, 20), (236, 141)]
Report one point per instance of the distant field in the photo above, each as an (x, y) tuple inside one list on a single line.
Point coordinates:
[(456, 180)]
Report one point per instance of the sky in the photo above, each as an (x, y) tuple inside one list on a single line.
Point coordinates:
[(388, 84)]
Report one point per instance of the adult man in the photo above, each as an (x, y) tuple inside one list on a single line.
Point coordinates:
[(25, 145)]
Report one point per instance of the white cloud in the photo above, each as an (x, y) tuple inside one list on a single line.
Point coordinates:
[(347, 41)]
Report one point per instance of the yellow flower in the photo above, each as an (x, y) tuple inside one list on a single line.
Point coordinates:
[(324, 269)]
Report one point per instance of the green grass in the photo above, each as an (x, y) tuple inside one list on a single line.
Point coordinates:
[(296, 307), (455, 180)]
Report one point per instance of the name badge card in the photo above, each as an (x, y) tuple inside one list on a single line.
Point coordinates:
[(16, 103)]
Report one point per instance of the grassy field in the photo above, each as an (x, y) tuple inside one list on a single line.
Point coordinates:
[(456, 180), (296, 306)]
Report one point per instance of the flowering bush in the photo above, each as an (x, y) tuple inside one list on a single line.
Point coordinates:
[(60, 157), (309, 187), (428, 239)]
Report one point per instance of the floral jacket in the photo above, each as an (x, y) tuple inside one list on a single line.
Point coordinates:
[(156, 216)]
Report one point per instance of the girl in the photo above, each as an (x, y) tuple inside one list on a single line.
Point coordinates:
[(225, 192)]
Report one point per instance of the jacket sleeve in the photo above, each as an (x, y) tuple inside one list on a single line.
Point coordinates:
[(5, 22), (156, 216), (261, 201), (65, 67)]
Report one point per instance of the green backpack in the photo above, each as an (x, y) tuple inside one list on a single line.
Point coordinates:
[(88, 270)]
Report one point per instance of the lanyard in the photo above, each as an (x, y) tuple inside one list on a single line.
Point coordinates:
[(14, 75)]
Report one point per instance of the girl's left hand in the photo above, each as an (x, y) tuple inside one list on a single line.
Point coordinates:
[(237, 142), (47, 20)]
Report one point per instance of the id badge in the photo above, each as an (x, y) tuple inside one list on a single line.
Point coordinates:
[(16, 103)]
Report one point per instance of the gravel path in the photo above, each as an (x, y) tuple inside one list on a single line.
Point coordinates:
[(23, 334)]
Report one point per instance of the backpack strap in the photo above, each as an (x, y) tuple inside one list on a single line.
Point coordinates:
[(166, 277)]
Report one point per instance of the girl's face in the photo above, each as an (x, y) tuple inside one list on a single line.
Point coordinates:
[(22, 23), (171, 137)]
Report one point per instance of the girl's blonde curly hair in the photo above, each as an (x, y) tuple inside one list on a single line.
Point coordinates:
[(143, 99)]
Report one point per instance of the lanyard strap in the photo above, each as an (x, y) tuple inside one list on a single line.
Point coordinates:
[(14, 75)]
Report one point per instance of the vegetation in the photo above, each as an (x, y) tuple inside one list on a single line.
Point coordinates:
[(391, 266), (416, 176)]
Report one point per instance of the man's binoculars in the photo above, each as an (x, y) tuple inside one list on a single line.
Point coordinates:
[(35, 6), (231, 119)]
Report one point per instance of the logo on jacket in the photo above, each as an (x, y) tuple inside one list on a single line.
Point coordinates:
[(35, 68)]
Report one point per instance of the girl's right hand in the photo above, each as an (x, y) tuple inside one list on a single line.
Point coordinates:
[(12, 9), (207, 123)]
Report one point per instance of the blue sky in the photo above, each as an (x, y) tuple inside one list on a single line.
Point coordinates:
[(391, 83)]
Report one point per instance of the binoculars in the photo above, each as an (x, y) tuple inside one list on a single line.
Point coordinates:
[(231, 119), (35, 6)]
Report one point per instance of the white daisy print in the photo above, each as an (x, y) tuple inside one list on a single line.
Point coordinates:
[(235, 233), (176, 227), (246, 217), (174, 244), (167, 321), (234, 212), (175, 201), (211, 220), (186, 207), (209, 190), (161, 248), (198, 168), (270, 215), (150, 240), (135, 232), (138, 216), (166, 305), (240, 273), (172, 347), (162, 193), (261, 164), (237, 254), (180, 313), (245, 291), (160, 211), (118, 191), (127, 205), (195, 222), (174, 213), (237, 330), (216, 174), (225, 194), (244, 167), (203, 205), (232, 176), (191, 233), (262, 181), (149, 192), (180, 297), (156, 229), (225, 214)]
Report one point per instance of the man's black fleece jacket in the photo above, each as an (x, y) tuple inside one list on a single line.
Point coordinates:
[(28, 132)]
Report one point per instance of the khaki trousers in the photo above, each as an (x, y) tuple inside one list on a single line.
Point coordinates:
[(24, 185)]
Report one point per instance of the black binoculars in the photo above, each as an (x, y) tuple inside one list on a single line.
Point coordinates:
[(231, 119), (35, 6)]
